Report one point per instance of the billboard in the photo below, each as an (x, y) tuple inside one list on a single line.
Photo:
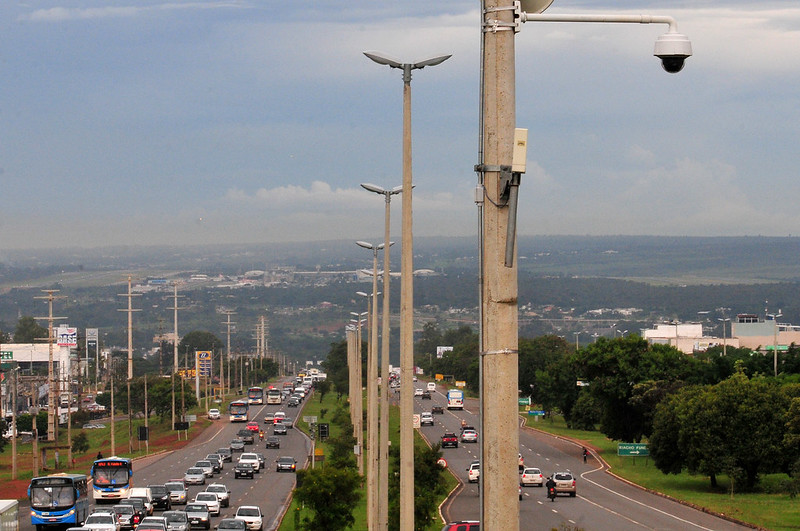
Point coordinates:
[(67, 336)]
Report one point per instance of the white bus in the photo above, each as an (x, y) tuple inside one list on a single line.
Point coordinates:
[(274, 396), (455, 399)]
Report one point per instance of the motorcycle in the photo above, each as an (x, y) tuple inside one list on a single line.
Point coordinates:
[(551, 493)]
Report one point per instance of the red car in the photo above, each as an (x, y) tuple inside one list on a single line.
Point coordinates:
[(252, 425)]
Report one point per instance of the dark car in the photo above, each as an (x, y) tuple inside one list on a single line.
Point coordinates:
[(426, 395), (138, 504), (231, 524), (292, 402), (243, 470), (273, 442), (437, 410), (226, 454), (237, 445), (246, 436), (279, 429), (285, 463), (198, 515), (161, 499)]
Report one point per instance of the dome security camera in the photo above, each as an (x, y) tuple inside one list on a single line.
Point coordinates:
[(673, 49)]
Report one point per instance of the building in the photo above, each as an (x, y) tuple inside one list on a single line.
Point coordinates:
[(764, 335)]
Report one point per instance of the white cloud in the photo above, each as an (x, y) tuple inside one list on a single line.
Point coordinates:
[(61, 14)]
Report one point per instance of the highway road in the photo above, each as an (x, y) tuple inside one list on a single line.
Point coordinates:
[(269, 489), (602, 501)]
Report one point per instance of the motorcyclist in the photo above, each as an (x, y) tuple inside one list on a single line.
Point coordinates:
[(551, 487), (261, 435)]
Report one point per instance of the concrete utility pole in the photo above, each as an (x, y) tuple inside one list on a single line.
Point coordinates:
[(175, 309), (130, 311), (52, 399), (228, 348), (499, 337), (358, 404)]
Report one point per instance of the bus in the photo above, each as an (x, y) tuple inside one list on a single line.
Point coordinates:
[(239, 411), (455, 399), (58, 500), (274, 396), (255, 396), (111, 478)]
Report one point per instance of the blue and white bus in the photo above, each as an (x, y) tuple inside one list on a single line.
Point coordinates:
[(238, 411), (111, 478), (255, 396), (59, 500)]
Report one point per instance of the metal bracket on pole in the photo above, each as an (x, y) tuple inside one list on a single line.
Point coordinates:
[(502, 351), (493, 26)]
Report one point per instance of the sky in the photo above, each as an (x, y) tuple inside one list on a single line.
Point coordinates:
[(139, 122)]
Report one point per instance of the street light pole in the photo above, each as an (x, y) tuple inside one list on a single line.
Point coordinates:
[(359, 404), (775, 339), (373, 485), (383, 513), (406, 296)]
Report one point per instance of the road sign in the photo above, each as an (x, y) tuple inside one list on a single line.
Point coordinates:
[(310, 419), (441, 462), (525, 401), (7, 355), (416, 421), (632, 450), (536, 412)]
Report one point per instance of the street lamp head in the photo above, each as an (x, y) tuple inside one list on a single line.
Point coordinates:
[(365, 245), (433, 61), (534, 6), (383, 59), (378, 190), (673, 49)]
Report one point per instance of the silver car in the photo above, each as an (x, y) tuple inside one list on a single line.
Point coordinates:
[(177, 492), (194, 476), (207, 466), (176, 520)]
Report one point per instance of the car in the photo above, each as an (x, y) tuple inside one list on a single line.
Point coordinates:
[(243, 470), (426, 395), (431, 387), (474, 472), (216, 462), (288, 422), (214, 414), (223, 493), (151, 526), (418, 392), (145, 494), (246, 436), (177, 492), (279, 415), (225, 454), (261, 460), (273, 442), (252, 516), (437, 410), (426, 419), (194, 476), (252, 426), (177, 520), (287, 463), (211, 499), (531, 476), (138, 505), (565, 483), (161, 499), (292, 402), (463, 525), (279, 429), (198, 515), (269, 418), (469, 436), (237, 445), (148, 504), (128, 516), (102, 521), (449, 439), (208, 468), (156, 520), (231, 524), (252, 459)]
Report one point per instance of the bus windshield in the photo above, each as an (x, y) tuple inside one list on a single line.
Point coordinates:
[(52, 497), (110, 476)]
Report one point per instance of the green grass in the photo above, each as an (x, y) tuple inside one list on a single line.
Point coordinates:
[(771, 511)]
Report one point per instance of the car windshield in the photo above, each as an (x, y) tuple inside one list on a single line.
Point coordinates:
[(194, 471), (208, 496), (100, 519), (197, 507), (230, 523), (216, 488), (563, 477), (174, 487), (175, 516), (247, 511)]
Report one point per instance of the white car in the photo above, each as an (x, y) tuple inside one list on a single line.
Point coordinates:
[(474, 472), (417, 392), (531, 476), (426, 418), (252, 516), (211, 500), (279, 415), (222, 491), (251, 459), (213, 414), (102, 521), (431, 386)]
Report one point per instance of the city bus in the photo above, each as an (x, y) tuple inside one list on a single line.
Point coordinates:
[(58, 500), (274, 396), (238, 411), (111, 478), (255, 396)]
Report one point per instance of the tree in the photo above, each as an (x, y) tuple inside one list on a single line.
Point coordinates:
[(80, 443), (200, 340), (735, 427), (28, 330), (337, 368), (331, 493)]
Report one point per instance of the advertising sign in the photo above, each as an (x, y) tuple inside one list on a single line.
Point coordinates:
[(204, 362), (67, 337), (441, 350), (91, 336)]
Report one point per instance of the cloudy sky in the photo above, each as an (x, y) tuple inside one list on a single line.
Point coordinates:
[(184, 122)]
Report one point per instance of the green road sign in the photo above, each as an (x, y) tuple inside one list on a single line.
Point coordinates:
[(525, 401), (632, 450), (6, 355)]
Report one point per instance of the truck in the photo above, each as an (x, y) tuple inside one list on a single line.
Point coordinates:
[(455, 399)]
